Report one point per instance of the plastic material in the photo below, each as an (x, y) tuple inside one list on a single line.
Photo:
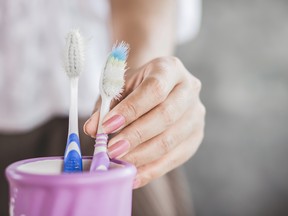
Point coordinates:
[(38, 187), (73, 158)]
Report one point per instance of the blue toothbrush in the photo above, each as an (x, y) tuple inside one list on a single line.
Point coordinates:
[(73, 67)]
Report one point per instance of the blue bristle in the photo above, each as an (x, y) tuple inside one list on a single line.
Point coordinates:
[(120, 51)]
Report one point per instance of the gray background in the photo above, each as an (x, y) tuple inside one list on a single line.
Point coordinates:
[(241, 57)]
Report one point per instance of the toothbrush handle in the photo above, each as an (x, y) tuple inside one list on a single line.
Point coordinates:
[(100, 161), (72, 158)]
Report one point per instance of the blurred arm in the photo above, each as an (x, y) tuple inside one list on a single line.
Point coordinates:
[(147, 25)]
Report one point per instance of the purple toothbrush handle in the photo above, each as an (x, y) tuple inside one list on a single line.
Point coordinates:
[(100, 161)]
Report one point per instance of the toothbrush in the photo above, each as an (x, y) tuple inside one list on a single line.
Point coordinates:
[(111, 86), (73, 66)]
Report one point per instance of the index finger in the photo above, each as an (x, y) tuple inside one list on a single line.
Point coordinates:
[(159, 80)]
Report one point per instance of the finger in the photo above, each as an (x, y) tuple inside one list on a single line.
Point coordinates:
[(170, 161), (167, 141), (160, 118), (154, 89), (91, 125), (128, 88)]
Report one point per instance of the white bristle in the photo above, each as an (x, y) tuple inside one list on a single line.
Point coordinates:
[(113, 76), (74, 57)]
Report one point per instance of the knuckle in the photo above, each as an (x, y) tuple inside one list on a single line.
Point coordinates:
[(131, 159), (197, 84), (185, 94), (196, 142), (159, 62), (158, 88), (164, 64), (173, 162), (194, 83), (138, 136), (200, 138), (130, 110), (166, 144), (149, 176), (174, 60), (202, 109), (169, 113), (145, 179)]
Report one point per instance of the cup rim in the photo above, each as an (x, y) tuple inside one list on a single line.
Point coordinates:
[(12, 173)]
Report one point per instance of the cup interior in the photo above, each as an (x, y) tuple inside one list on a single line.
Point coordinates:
[(55, 166)]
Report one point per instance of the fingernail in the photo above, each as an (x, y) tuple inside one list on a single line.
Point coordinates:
[(90, 126), (85, 125), (136, 183), (89, 129), (113, 123), (118, 149)]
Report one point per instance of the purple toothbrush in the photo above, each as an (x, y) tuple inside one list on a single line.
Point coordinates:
[(111, 86)]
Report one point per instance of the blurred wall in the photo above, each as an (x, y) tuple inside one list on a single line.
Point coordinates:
[(241, 57)]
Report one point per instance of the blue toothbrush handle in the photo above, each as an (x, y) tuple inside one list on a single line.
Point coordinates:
[(73, 158)]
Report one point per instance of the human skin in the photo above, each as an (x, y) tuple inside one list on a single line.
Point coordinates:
[(158, 123)]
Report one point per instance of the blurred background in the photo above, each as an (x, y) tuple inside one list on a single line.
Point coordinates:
[(241, 57)]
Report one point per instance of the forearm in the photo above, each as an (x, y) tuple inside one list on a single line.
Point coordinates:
[(147, 25)]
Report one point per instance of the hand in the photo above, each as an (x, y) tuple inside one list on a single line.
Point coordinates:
[(159, 120)]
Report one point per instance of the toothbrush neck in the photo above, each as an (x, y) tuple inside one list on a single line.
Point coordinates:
[(105, 107), (73, 112)]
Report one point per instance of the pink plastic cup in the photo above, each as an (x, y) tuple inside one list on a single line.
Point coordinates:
[(38, 187)]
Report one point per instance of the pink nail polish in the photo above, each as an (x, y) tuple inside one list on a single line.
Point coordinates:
[(118, 149), (113, 123)]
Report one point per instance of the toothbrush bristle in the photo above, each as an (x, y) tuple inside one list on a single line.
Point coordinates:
[(120, 51), (74, 57), (113, 76)]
